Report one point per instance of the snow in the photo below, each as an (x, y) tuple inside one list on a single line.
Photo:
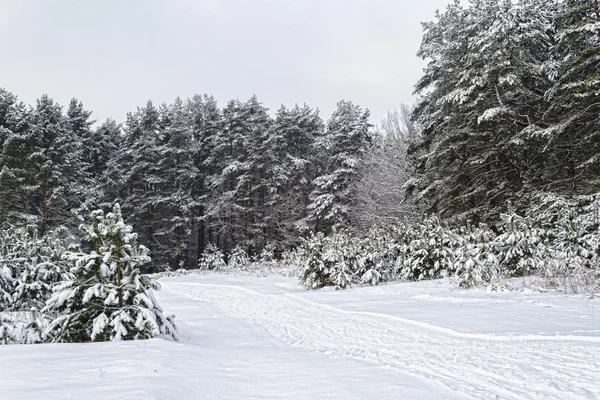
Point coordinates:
[(264, 337)]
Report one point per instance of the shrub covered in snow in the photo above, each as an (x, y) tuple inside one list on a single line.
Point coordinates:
[(29, 267), (212, 259), (379, 252), (523, 247), (238, 259), (475, 262), (560, 244), (430, 252), (6, 329), (573, 264), (107, 298), (315, 269)]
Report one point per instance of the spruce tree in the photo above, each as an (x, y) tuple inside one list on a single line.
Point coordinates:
[(86, 183)]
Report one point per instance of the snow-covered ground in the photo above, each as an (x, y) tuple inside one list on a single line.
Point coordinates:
[(246, 337)]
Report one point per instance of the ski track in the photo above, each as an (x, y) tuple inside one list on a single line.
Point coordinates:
[(483, 366)]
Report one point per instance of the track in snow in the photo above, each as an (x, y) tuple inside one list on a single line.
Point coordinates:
[(483, 366)]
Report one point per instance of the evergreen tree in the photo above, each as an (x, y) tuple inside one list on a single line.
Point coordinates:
[(108, 299), (6, 330), (136, 172), (176, 173), (7, 102), (37, 264), (85, 182), (101, 156), (7, 271), (44, 158), (206, 123), (256, 185), (346, 140), (475, 261), (239, 186), (572, 142), (16, 177), (293, 160), (483, 94)]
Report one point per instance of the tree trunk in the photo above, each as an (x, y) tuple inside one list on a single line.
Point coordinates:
[(193, 256), (24, 201), (45, 206), (119, 288)]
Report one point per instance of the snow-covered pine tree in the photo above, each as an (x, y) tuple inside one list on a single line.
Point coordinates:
[(590, 220), (88, 183), (475, 262), (38, 264), (572, 142), (430, 254), (136, 168), (6, 329), (378, 253), (238, 259), (346, 140), (174, 203), (212, 259), (314, 268), (239, 187), (256, 185), (55, 165), (100, 148), (293, 160), (7, 271), (16, 178), (30, 266), (228, 151), (206, 123), (108, 299), (483, 93), (445, 43), (522, 247)]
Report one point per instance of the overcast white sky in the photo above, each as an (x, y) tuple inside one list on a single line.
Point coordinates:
[(114, 55)]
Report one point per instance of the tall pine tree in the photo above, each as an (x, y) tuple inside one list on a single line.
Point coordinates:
[(346, 141), (572, 142)]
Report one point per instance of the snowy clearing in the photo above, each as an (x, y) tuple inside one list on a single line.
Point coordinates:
[(249, 337)]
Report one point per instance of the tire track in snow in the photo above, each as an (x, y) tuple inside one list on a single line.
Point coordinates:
[(483, 366)]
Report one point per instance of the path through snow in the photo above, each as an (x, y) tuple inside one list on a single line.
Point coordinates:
[(480, 365)]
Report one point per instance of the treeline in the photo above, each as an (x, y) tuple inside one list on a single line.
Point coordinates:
[(190, 174)]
